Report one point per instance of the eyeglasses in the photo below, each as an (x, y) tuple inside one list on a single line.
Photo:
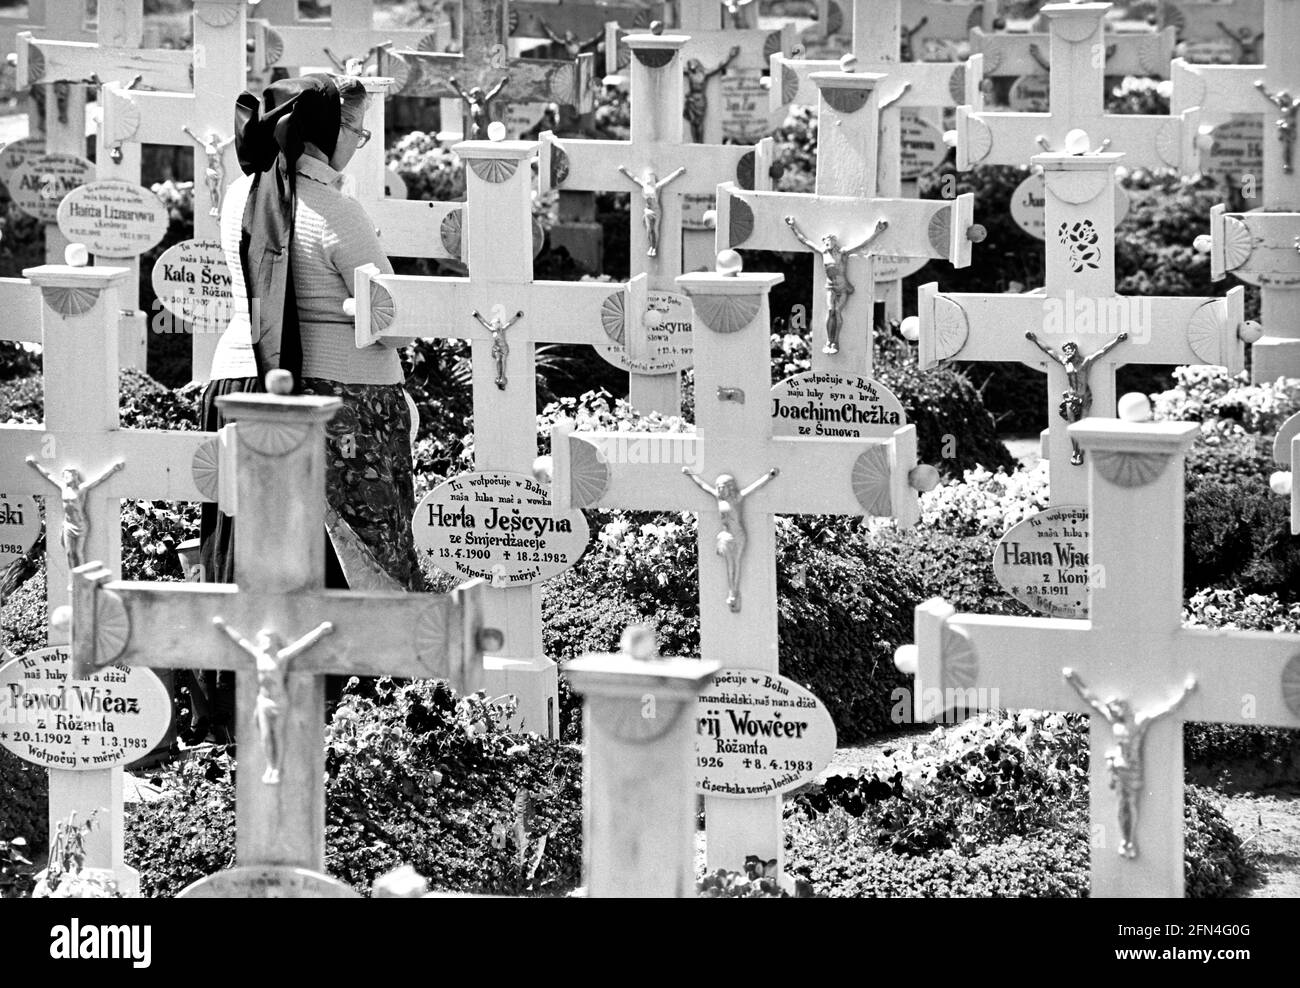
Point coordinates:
[(363, 135)]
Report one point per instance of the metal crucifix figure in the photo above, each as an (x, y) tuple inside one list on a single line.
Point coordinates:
[(835, 263), (651, 185), (214, 171), (272, 686), (479, 106), (76, 522), (1285, 124), (1077, 399), (500, 348), (697, 99), (1129, 729), (731, 537)]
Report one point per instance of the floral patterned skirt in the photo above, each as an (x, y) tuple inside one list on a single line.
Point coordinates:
[(369, 479)]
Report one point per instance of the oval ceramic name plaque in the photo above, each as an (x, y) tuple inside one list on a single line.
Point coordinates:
[(1027, 205), (114, 218), (759, 734), (16, 152), (192, 281), (1043, 562), (498, 527), (268, 882), (38, 186), (834, 405), (1236, 151), (111, 719), (670, 342), (922, 147), (20, 524)]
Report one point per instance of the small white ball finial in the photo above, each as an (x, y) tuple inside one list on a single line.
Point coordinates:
[(976, 233), (76, 255), (656, 27), (1205, 138), (910, 327), (61, 618), (848, 62), (710, 219), (729, 263), (905, 659), (279, 382), (1250, 331), (1077, 142), (1281, 482), (543, 469), (1135, 407), (950, 138), (496, 131), (350, 308), (923, 477), (1203, 243)]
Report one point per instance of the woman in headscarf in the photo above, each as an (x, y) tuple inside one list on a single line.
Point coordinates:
[(293, 241)]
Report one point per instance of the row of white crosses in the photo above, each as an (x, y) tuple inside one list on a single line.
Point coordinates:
[(114, 55), (1262, 246), (91, 463), (1077, 329), (844, 219), (504, 313), (275, 626), (1131, 665), (737, 475), (187, 104), (660, 172)]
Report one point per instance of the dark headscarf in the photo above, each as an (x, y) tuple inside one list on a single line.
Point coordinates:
[(270, 134)]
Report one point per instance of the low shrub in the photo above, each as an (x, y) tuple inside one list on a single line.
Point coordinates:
[(957, 568), (1206, 393), (843, 603), (997, 806), (25, 808), (986, 503), (1242, 755), (415, 775)]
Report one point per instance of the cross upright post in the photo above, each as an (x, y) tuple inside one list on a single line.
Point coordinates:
[(1078, 69), (1130, 665), (1259, 246), (855, 235), (737, 475), (1077, 329), (199, 118), (275, 626), (664, 171)]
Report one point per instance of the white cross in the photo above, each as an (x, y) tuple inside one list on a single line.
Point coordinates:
[(134, 116), (1078, 306), (845, 207), (1215, 31), (76, 310), (748, 476), (273, 463), (656, 147), (514, 313), (1260, 246), (1132, 649), (1078, 70), (719, 64)]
